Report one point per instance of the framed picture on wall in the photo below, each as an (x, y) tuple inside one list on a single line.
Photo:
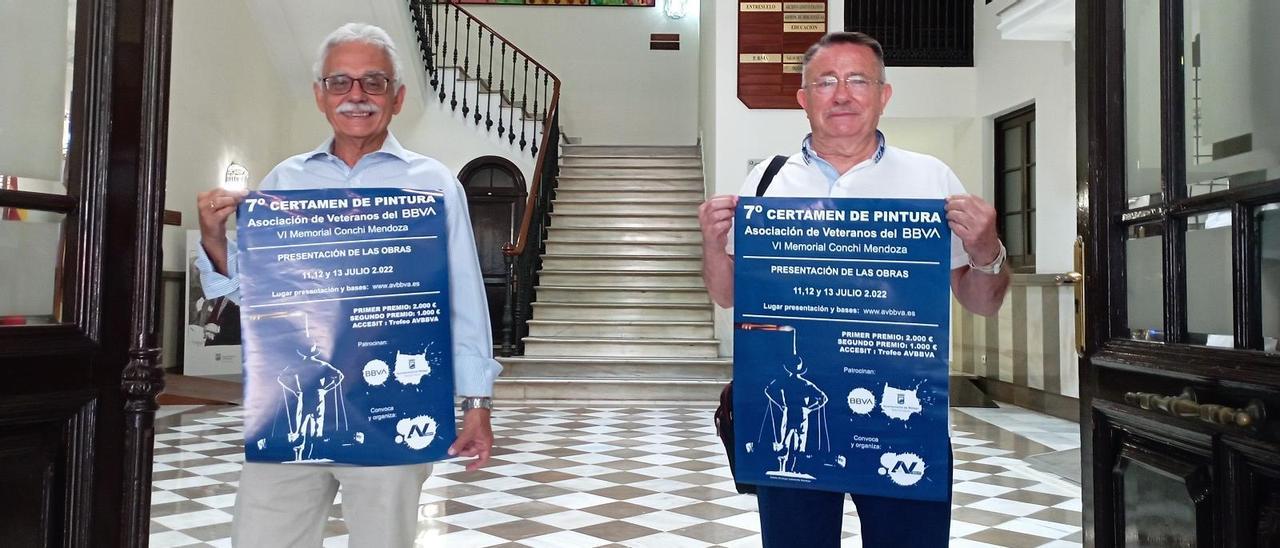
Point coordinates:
[(211, 341)]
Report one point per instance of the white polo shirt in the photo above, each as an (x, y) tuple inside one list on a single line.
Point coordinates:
[(890, 173)]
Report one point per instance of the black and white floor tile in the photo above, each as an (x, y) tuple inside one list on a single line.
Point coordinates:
[(567, 477)]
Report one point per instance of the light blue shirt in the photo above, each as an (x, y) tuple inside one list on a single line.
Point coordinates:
[(474, 368), (828, 170)]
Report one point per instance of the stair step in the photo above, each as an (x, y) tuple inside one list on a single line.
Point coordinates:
[(594, 220), (622, 311), (624, 235), (689, 208), (570, 160), (566, 171), (632, 262), (558, 246), (634, 328), (638, 184), (630, 195), (624, 197), (467, 89), (630, 150), (718, 369), (614, 294), (631, 278), (621, 347), (639, 390)]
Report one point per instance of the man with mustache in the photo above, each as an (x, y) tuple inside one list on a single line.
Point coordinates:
[(844, 93), (358, 88)]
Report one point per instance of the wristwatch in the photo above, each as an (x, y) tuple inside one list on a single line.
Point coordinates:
[(476, 402), (995, 267)]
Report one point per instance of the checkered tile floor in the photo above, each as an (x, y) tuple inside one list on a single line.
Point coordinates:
[(565, 477)]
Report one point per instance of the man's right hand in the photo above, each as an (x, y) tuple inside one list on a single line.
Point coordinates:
[(715, 216), (214, 207)]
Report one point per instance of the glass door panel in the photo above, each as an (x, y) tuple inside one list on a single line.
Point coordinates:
[(1232, 106), (36, 60), (1142, 103), (1145, 282), (1268, 229)]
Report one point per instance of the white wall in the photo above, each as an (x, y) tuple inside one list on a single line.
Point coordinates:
[(1013, 74), (226, 104), (707, 88), (615, 89)]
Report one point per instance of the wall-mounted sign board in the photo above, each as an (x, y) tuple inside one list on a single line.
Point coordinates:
[(772, 39)]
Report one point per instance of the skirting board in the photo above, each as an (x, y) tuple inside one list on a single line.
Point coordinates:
[(1063, 407)]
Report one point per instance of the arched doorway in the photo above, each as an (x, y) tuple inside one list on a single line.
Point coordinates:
[(496, 195)]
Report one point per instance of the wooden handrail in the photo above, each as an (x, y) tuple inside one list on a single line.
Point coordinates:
[(522, 237), (25, 199)]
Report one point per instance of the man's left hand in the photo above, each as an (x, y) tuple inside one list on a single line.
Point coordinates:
[(475, 440), (973, 220)]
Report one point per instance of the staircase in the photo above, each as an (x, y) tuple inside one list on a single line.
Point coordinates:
[(621, 312), (489, 81)]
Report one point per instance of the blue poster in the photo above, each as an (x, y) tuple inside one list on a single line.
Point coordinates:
[(345, 323), (842, 318)]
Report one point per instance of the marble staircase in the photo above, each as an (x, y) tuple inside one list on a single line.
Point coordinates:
[(620, 312)]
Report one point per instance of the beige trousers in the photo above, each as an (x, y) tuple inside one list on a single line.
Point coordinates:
[(286, 505)]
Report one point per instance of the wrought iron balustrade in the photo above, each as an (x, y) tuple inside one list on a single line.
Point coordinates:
[(494, 84)]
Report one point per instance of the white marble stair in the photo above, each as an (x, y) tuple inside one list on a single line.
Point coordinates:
[(629, 195), (652, 220), (629, 278), (621, 328), (628, 235), (621, 312), (634, 184)]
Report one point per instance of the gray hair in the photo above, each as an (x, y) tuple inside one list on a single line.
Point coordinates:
[(851, 38), (361, 33)]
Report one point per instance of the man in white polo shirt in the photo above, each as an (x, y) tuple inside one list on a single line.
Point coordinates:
[(843, 95)]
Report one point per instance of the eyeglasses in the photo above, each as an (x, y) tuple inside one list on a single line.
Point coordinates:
[(857, 83), (340, 84)]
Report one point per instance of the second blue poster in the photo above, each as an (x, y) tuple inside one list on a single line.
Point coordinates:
[(842, 316)]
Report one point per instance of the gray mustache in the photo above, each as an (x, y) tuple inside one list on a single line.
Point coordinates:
[(358, 108)]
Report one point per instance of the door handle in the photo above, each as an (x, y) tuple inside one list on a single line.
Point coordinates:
[(1068, 278), (1186, 405), (1076, 279)]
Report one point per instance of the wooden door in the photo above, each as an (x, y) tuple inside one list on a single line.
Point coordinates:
[(496, 195), (79, 247), (1179, 143)]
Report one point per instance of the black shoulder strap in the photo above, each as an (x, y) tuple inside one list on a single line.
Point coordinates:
[(769, 172)]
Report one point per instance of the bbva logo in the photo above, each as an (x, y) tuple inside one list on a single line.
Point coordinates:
[(861, 401), (904, 469)]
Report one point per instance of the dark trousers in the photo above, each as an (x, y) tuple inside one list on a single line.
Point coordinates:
[(803, 517)]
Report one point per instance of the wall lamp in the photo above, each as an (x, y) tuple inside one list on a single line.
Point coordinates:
[(236, 177), (675, 9)]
